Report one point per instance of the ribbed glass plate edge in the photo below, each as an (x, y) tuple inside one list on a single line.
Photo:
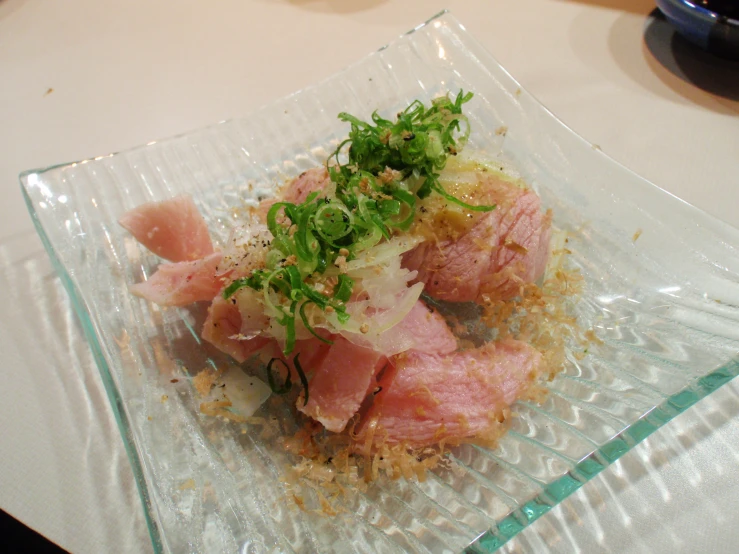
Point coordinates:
[(517, 520), (114, 397)]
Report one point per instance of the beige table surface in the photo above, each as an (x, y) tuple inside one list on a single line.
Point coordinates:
[(80, 78)]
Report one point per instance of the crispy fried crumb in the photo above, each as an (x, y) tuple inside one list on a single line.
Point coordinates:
[(341, 264), (218, 408), (517, 248), (187, 485), (204, 381)]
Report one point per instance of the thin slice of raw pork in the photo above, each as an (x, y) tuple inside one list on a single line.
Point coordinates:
[(340, 383), (234, 326), (313, 180), (428, 398), (182, 283), (296, 191), (505, 248), (347, 374), (172, 229), (423, 329)]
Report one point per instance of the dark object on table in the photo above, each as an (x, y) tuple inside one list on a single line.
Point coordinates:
[(683, 67), (711, 24), (17, 538)]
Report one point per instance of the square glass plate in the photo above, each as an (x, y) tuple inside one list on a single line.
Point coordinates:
[(661, 291)]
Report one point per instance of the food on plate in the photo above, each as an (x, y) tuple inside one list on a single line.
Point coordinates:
[(463, 257), (182, 283), (430, 397), (173, 229), (338, 285)]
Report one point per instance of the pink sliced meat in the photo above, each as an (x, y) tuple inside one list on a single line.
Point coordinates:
[(297, 190), (182, 283), (172, 229), (426, 330), (231, 333), (262, 210), (345, 375), (340, 384), (313, 180), (427, 398), (506, 247), (310, 353)]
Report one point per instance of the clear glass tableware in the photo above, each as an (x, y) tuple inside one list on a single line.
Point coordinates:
[(661, 291)]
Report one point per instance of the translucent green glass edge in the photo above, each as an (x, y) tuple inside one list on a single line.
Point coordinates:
[(114, 398), (557, 491)]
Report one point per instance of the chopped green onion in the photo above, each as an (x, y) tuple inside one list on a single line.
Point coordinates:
[(308, 326), (440, 190), (342, 315), (234, 286), (286, 386), (334, 221), (305, 242), (389, 165), (296, 282), (289, 322), (387, 208), (277, 280), (272, 225), (303, 378), (343, 289)]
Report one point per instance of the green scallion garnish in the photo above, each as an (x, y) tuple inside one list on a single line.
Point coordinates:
[(303, 378), (388, 165), (278, 389), (287, 386)]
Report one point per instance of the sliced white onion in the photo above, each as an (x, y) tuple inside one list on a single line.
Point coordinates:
[(245, 392), (383, 252), (381, 335)]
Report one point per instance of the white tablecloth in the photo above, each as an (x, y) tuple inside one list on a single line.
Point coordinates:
[(81, 78)]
